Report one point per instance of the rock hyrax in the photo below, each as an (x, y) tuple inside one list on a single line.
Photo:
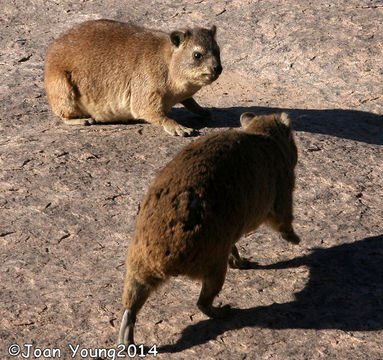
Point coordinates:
[(109, 71), (215, 190)]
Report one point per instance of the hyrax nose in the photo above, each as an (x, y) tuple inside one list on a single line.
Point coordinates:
[(217, 69)]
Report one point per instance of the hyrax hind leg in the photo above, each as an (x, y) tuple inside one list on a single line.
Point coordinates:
[(211, 286), (134, 296), (63, 96), (79, 121)]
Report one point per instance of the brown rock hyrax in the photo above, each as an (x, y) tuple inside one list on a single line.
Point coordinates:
[(109, 71), (215, 190)]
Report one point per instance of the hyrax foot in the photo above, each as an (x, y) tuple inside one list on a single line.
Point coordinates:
[(291, 237), (176, 129), (236, 262), (240, 263), (125, 336), (215, 312), (79, 121)]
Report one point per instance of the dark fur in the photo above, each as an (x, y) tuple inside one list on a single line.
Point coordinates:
[(215, 190)]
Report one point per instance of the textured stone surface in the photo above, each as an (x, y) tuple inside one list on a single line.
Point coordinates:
[(69, 195)]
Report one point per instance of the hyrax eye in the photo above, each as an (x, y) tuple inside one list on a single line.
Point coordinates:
[(197, 55)]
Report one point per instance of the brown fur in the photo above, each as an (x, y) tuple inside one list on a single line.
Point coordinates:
[(215, 190), (111, 71)]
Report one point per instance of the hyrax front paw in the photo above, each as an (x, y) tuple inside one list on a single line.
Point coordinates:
[(177, 129)]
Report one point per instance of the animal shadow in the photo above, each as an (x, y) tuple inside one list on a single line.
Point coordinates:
[(344, 291), (349, 124)]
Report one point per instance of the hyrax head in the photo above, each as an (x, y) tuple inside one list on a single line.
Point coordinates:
[(278, 126), (196, 57)]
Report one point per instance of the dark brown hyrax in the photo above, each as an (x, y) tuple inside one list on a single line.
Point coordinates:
[(108, 71), (215, 190)]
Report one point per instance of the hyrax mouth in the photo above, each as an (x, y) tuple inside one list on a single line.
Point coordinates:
[(209, 77)]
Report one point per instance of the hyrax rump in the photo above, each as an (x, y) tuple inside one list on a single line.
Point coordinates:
[(215, 190), (109, 71)]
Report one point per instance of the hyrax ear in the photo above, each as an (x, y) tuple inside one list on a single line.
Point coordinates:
[(246, 119), (178, 37), (285, 119), (213, 30)]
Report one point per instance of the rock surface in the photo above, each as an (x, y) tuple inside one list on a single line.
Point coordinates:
[(69, 195)]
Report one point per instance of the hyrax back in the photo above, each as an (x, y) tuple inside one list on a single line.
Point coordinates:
[(110, 71), (215, 190)]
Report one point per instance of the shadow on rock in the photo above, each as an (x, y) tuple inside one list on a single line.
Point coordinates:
[(348, 124), (344, 291)]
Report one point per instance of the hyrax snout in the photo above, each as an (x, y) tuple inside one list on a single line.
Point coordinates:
[(108, 71), (215, 190)]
